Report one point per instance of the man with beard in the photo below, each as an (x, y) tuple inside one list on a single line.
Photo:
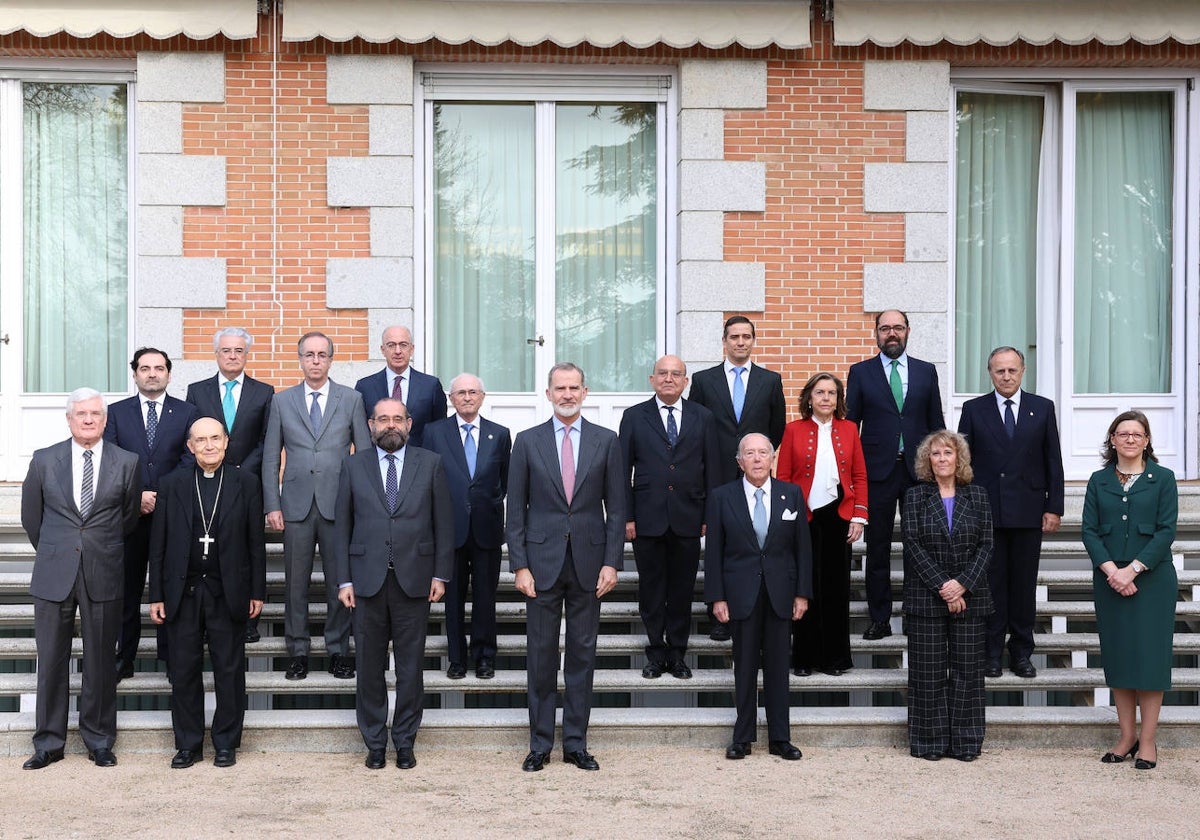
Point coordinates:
[(896, 401), (393, 551)]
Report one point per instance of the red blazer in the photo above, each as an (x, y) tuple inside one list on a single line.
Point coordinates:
[(798, 457)]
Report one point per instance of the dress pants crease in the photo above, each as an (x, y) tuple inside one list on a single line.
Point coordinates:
[(761, 640), (299, 539)]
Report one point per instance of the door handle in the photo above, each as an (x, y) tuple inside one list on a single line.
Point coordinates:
[(5, 338), (539, 341)]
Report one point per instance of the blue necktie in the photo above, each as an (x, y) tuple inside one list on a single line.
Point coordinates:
[(1010, 422), (469, 449), (391, 487), (760, 518), (739, 393), (227, 405), (151, 422), (314, 414), (672, 428)]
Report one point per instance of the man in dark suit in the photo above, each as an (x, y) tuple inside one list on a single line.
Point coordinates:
[(670, 450), (566, 520), (759, 578), (392, 555), (207, 577), (153, 425), (1017, 458), (475, 454), (743, 398), (79, 500), (242, 404), (896, 401), (316, 422), (421, 393)]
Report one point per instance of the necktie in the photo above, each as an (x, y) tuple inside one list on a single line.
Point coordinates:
[(469, 449), (739, 393), (897, 392), (314, 413), (568, 464), (391, 487), (85, 488), (760, 518), (227, 405), (151, 422), (398, 389), (672, 429), (1010, 422)]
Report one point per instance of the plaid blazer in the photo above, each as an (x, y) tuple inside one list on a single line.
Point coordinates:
[(935, 552)]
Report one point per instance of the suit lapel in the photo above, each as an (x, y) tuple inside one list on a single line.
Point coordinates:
[(485, 441), (331, 406), (404, 480), (779, 503), (724, 397), (881, 381), (994, 425), (454, 443), (548, 450), (588, 447), (756, 386), (653, 417), (62, 474)]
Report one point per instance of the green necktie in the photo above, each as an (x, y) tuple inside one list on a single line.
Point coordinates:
[(897, 392)]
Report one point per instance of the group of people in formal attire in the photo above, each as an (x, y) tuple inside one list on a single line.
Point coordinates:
[(408, 506)]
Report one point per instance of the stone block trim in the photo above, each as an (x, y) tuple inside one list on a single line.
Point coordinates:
[(375, 181), (181, 180), (190, 282), (181, 77), (722, 286), (723, 84), (905, 187), (369, 80), (359, 283), (906, 85)]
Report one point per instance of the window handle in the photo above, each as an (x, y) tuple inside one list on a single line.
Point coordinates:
[(539, 341)]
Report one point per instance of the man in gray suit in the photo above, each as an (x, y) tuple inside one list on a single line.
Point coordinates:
[(315, 421), (79, 501), (565, 533), (393, 553)]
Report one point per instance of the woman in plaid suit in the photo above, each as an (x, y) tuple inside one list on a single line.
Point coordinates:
[(947, 528)]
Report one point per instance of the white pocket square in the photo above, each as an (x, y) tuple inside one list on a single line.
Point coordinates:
[(789, 515)]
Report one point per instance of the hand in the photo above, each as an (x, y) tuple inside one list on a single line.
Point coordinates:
[(630, 531), (525, 584), (255, 608), (721, 611), (952, 590), (856, 530), (799, 608), (346, 596), (956, 606), (149, 497), (1050, 522), (606, 581), (275, 520), (158, 612), (1121, 580), (437, 588)]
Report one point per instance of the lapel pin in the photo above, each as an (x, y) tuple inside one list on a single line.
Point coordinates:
[(489, 437)]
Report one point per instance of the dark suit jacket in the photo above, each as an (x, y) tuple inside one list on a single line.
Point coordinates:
[(239, 535), (734, 565), (418, 536), (127, 430), (934, 553), (764, 411), (425, 399), (245, 449), (869, 402), (1023, 476), (540, 522), (63, 541), (666, 487), (478, 501)]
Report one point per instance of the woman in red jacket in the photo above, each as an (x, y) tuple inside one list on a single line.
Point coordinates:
[(822, 453)]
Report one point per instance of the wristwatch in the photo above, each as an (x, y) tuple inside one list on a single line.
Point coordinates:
[(1138, 566)]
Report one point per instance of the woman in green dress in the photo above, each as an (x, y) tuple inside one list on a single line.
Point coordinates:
[(1129, 516)]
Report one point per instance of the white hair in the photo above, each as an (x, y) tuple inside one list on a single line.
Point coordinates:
[(82, 395), (237, 332), (454, 381)]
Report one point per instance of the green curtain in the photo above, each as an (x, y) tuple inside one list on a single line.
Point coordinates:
[(1123, 221), (76, 236), (998, 149)]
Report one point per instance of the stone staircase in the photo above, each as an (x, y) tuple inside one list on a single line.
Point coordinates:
[(1066, 704)]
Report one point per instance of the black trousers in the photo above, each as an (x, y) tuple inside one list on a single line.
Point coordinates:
[(883, 496), (821, 639), (1012, 579), (204, 611), (945, 684), (477, 572), (137, 560), (667, 567), (761, 640)]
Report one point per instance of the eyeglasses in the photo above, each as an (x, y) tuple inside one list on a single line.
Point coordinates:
[(397, 345), (884, 329), (469, 393), (1130, 436), (312, 357)]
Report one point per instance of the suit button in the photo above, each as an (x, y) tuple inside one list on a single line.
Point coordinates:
[(670, 486), (1123, 516), (672, 467), (1002, 475)]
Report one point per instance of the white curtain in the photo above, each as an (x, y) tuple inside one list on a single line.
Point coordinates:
[(76, 236)]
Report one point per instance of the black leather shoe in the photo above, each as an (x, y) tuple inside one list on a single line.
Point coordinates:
[(582, 759), (833, 672), (929, 756), (297, 668), (225, 758), (680, 670), (785, 750), (252, 635), (737, 751), (1143, 764), (720, 632), (42, 758), (376, 759), (341, 667), (1118, 758), (1024, 668), (878, 630), (405, 758), (802, 671), (653, 670), (456, 671), (124, 670), (967, 757), (992, 670), (186, 758), (102, 757), (485, 670), (535, 761)]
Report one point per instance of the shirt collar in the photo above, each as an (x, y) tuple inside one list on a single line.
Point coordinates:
[(239, 379), (459, 419), (1016, 398), (750, 489), (559, 425), (381, 453), (887, 363), (77, 450), (729, 366)]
